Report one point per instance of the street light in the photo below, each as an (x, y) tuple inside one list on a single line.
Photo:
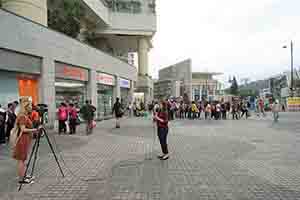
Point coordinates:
[(292, 67)]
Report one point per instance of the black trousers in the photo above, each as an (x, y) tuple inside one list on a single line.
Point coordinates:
[(2, 134), (244, 112), (224, 115), (72, 124), (162, 135), (62, 126), (9, 127)]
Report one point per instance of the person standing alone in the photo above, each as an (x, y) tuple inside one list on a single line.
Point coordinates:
[(161, 118), (88, 114), (118, 110)]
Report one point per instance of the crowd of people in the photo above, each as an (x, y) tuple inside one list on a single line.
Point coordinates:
[(205, 110)]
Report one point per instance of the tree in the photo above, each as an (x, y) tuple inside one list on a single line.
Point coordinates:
[(64, 16), (234, 89)]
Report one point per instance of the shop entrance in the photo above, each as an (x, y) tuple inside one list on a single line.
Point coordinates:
[(105, 100), (70, 92)]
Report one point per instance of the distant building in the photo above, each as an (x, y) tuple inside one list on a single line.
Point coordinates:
[(204, 87), (178, 80)]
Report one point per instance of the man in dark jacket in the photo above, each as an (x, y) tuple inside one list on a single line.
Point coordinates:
[(118, 111)]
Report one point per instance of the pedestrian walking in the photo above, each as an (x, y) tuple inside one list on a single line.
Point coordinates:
[(11, 119), (118, 111), (244, 110), (162, 129), (62, 118), (234, 111), (208, 111), (73, 118), (276, 107), (88, 113), (2, 125), (23, 141)]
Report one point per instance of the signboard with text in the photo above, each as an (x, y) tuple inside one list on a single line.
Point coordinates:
[(66, 71), (124, 83), (293, 104), (105, 79)]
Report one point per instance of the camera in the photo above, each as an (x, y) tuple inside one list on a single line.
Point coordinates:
[(42, 109)]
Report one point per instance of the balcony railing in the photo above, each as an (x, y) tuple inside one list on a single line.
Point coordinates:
[(130, 6)]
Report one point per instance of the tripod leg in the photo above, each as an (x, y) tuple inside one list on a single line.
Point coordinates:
[(51, 147), (36, 153), (29, 161)]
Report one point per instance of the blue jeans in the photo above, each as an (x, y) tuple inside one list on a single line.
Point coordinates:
[(162, 135)]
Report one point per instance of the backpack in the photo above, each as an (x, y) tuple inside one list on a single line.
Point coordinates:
[(15, 135)]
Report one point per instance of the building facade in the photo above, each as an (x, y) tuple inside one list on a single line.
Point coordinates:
[(179, 76), (205, 87), (52, 68)]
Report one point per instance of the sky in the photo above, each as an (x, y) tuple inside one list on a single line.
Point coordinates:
[(242, 38)]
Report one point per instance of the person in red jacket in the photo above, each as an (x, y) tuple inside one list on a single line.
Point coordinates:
[(161, 118)]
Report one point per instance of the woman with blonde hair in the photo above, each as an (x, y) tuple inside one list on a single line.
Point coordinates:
[(25, 134)]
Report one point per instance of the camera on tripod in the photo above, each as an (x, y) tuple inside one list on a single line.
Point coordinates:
[(42, 109)]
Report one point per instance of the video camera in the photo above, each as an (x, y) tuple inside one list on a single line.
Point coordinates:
[(42, 109)]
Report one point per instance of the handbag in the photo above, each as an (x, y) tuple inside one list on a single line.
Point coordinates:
[(15, 135)]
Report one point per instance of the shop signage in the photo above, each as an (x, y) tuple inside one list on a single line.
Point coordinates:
[(124, 83), (293, 104), (70, 72), (105, 79)]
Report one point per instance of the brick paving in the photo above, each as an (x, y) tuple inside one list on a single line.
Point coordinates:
[(226, 160)]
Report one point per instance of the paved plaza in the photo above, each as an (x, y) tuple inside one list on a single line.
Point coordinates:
[(224, 160)]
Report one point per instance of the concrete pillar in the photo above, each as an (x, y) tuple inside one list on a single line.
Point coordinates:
[(92, 87), (47, 83), (35, 10), (131, 91), (117, 89), (143, 56)]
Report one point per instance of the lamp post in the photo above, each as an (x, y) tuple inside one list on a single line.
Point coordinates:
[(292, 68)]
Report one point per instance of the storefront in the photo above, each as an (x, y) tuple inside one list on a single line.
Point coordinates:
[(105, 89), (125, 91), (70, 84), (19, 76)]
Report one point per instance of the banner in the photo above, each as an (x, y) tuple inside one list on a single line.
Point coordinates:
[(293, 104)]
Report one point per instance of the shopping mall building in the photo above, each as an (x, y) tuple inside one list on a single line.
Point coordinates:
[(51, 67)]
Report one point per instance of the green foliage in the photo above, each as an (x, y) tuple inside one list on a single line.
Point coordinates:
[(234, 89), (64, 16)]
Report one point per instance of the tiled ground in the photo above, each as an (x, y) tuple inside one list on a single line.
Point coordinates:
[(226, 160)]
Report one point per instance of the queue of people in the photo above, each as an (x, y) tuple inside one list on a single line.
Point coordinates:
[(205, 110)]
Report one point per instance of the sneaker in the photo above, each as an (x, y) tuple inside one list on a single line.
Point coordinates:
[(26, 181), (160, 156), (165, 157), (30, 177)]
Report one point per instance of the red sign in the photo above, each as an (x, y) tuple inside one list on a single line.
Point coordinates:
[(105, 79), (70, 72), (75, 73)]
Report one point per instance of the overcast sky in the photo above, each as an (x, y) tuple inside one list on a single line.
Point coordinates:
[(236, 37)]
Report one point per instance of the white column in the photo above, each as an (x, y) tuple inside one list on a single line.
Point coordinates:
[(92, 87), (35, 10), (117, 89), (143, 56), (131, 91), (47, 82)]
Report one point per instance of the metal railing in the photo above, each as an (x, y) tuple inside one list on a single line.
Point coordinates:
[(131, 6)]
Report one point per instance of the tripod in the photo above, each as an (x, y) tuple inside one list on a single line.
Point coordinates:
[(34, 154)]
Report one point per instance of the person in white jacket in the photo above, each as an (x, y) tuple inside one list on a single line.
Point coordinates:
[(276, 107)]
